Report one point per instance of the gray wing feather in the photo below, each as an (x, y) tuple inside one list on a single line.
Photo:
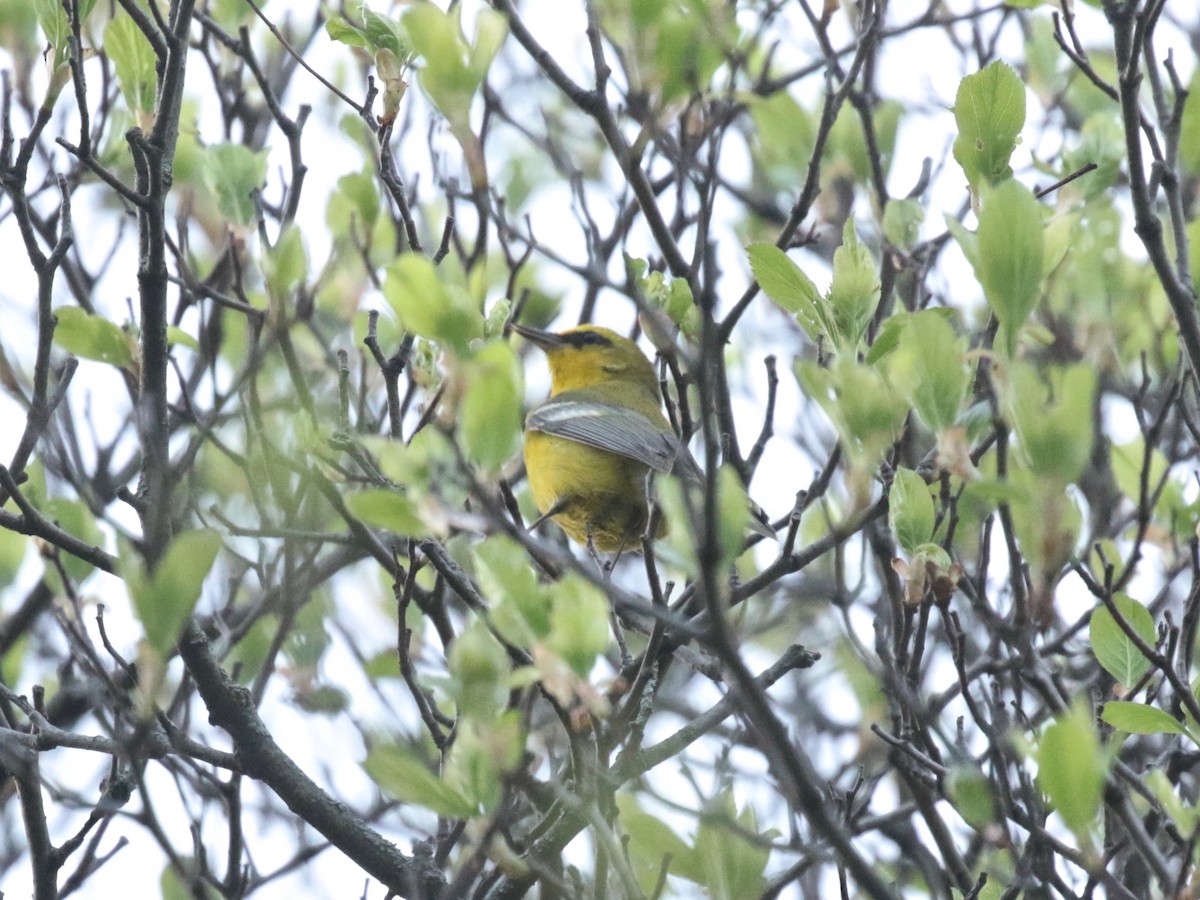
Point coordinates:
[(615, 429)]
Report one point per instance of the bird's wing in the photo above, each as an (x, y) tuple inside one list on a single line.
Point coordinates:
[(613, 428)]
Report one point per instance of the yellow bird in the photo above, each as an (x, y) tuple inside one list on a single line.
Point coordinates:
[(591, 445)]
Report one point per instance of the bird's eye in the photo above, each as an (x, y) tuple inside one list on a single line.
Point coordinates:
[(581, 339)]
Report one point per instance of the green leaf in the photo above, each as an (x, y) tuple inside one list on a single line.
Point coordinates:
[(479, 666), (308, 638), (846, 151), (910, 510), (344, 33), (165, 598), (579, 627), (867, 412), (681, 307), (966, 239), (490, 417), (902, 223), (248, 656), (1010, 256), (178, 579), (12, 661), (854, 293), (135, 64), (1044, 63), (1058, 237), (1072, 769), (323, 699), (520, 607), (971, 794), (377, 32), (785, 283), (452, 69), (355, 204), (437, 38), (652, 844), (405, 777), (1193, 236), (385, 664), (176, 335), (784, 133), (1182, 812), (12, 553), (285, 265), (733, 512), (672, 296), (74, 517), (1170, 509), (387, 508), (1101, 141), (19, 25), (1139, 718), (929, 368), (1053, 421), (416, 463), (1114, 650), (887, 338), (386, 33), (483, 753), (428, 307), (679, 540), (52, 19), (504, 571), (989, 110), (230, 14), (234, 173), (895, 328), (1046, 518), (1189, 129), (687, 46), (184, 880), (732, 865), (491, 29), (92, 337)]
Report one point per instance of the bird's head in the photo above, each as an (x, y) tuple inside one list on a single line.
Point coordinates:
[(588, 356)]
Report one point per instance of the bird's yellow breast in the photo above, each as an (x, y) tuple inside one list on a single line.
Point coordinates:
[(603, 494)]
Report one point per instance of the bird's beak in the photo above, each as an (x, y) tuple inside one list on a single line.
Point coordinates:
[(547, 340)]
